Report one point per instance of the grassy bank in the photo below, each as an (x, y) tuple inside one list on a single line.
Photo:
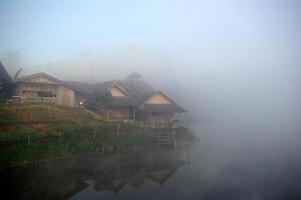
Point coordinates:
[(73, 139), (68, 147), (41, 113), (29, 133)]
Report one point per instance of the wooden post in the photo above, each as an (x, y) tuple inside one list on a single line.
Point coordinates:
[(28, 140), (145, 122), (174, 138), (60, 137), (118, 129), (134, 113), (94, 135)]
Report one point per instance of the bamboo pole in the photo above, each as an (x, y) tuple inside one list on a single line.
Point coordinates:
[(28, 140), (118, 129), (94, 135)]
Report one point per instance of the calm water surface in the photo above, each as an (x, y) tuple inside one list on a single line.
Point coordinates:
[(205, 170)]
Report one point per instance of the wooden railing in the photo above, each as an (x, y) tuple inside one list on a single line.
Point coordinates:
[(29, 101)]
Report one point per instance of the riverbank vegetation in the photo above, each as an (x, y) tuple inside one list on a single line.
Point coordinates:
[(40, 132)]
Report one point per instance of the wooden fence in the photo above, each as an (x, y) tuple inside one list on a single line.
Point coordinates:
[(96, 134), (28, 101)]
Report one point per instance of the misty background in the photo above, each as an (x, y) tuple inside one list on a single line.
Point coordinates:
[(233, 65)]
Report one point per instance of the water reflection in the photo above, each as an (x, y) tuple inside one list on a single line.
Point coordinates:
[(96, 175), (207, 170)]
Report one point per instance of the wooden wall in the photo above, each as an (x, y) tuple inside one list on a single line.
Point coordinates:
[(29, 90), (66, 96), (119, 113), (115, 92), (158, 119), (63, 95), (158, 99)]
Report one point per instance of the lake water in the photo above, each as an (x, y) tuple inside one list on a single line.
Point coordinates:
[(205, 170)]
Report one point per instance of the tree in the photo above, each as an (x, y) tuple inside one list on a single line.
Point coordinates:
[(16, 76), (6, 90)]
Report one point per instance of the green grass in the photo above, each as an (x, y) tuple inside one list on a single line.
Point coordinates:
[(18, 134), (72, 129), (28, 113), (35, 151), (88, 142), (62, 131)]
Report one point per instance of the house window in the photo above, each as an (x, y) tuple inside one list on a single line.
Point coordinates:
[(46, 94), (23, 91)]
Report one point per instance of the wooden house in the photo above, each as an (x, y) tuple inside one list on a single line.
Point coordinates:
[(154, 108), (116, 101), (158, 110), (44, 87), (130, 99)]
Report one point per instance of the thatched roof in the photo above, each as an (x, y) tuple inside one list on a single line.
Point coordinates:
[(136, 91), (103, 88), (85, 88), (142, 91), (134, 75), (159, 108), (27, 78), (138, 87), (3, 74)]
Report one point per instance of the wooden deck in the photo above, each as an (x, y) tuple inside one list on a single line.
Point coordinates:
[(167, 137)]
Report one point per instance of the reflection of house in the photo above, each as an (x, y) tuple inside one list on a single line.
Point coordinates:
[(43, 87), (76, 179), (162, 167)]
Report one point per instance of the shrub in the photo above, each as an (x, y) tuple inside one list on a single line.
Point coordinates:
[(19, 134)]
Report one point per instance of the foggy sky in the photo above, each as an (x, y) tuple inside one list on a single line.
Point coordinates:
[(234, 65)]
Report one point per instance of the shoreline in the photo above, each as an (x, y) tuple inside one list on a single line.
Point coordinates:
[(37, 133), (85, 155)]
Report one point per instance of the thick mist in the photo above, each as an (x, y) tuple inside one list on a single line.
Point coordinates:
[(233, 65)]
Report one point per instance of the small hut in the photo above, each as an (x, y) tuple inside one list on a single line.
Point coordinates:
[(159, 110), (43, 87), (117, 103), (154, 108)]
